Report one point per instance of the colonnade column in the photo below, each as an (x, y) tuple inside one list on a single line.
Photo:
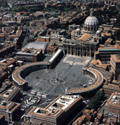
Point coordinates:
[(90, 52), (80, 51), (74, 51), (77, 52), (70, 49), (67, 50)]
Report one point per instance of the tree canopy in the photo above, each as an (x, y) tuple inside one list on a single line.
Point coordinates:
[(98, 97), (3, 4), (30, 40)]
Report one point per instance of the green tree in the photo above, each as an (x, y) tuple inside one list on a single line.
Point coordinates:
[(98, 97), (19, 9), (31, 40), (3, 4)]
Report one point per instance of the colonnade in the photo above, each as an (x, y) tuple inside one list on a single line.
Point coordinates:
[(79, 51), (30, 69), (90, 90)]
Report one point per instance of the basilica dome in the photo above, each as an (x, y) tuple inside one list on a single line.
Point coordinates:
[(90, 24), (91, 21)]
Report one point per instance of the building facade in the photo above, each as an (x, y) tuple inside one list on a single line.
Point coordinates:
[(10, 110), (115, 65), (29, 55), (84, 42), (112, 105)]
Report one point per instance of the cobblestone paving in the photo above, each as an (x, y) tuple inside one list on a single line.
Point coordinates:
[(68, 73)]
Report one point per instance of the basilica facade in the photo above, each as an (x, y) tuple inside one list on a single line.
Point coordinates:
[(84, 41)]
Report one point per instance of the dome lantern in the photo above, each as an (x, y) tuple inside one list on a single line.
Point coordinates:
[(91, 13)]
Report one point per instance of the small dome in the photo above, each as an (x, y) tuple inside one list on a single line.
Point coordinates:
[(98, 31), (78, 29)]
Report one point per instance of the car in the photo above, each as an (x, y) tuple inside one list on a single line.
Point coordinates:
[(22, 109), (38, 94), (27, 105), (24, 106), (30, 99), (33, 93), (85, 102), (21, 99), (33, 101), (38, 101), (24, 94)]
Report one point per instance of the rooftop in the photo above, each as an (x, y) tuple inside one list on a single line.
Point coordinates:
[(116, 58), (85, 37), (114, 100), (9, 106), (56, 107), (29, 51), (37, 45)]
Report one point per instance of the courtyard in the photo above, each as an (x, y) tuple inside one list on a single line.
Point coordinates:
[(67, 74)]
